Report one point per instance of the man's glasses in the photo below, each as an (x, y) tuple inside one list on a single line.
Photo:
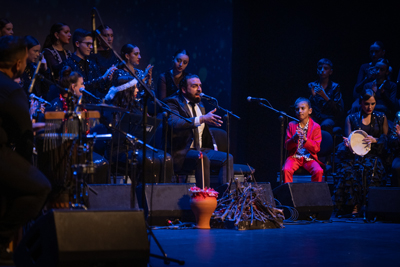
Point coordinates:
[(88, 44)]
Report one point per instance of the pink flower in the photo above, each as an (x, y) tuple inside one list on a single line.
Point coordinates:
[(206, 192)]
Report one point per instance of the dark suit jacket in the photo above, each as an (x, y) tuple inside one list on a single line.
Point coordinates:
[(182, 136)]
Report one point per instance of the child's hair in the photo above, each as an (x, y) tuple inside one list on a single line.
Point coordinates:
[(302, 99), (324, 61), (384, 61)]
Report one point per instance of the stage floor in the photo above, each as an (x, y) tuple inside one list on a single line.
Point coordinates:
[(340, 243)]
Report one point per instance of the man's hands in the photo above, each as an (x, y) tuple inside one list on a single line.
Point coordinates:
[(318, 90), (211, 119), (109, 73)]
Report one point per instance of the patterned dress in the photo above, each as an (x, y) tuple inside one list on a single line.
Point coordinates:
[(349, 189)]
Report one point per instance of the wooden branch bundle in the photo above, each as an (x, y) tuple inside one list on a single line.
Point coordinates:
[(246, 203)]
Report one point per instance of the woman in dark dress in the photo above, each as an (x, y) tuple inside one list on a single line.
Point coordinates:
[(40, 89), (348, 190), (168, 82), (131, 54), (54, 52), (105, 57)]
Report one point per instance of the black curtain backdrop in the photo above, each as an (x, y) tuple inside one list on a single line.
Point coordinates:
[(276, 47), (239, 48)]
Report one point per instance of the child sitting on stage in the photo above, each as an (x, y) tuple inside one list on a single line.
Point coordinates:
[(303, 140)]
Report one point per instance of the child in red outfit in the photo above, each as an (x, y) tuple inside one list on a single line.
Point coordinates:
[(303, 140)]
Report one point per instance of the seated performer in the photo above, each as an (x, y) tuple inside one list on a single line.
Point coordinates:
[(23, 185), (131, 54), (40, 89), (326, 98), (394, 144), (348, 191), (105, 57), (124, 95), (80, 62), (189, 139), (303, 141), (6, 27), (53, 48), (368, 70), (168, 82), (69, 80), (385, 90)]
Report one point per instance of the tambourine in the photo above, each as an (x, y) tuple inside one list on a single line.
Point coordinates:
[(356, 143)]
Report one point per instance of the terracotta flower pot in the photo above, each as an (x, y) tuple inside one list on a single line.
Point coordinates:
[(203, 207)]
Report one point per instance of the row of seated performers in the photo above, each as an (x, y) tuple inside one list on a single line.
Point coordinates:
[(380, 165)]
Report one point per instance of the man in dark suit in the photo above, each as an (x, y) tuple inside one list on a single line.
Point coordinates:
[(191, 140)]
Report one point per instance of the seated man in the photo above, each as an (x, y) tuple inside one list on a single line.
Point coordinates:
[(80, 62), (326, 98), (367, 70), (23, 186), (303, 142), (191, 141)]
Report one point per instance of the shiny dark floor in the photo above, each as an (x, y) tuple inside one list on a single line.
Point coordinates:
[(339, 243)]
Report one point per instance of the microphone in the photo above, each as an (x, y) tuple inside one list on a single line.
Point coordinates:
[(94, 30), (82, 90), (255, 99), (207, 97), (41, 100)]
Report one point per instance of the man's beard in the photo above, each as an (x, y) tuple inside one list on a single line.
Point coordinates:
[(192, 98)]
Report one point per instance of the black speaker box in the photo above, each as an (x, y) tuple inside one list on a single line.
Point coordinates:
[(310, 199), (384, 203), (166, 202), (85, 238), (110, 197)]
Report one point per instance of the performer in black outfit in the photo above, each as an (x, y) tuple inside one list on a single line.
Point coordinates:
[(350, 170), (189, 139), (6, 27), (131, 54), (40, 89), (394, 145), (168, 82), (53, 47), (124, 95), (326, 98), (105, 57), (68, 80), (80, 62), (23, 187)]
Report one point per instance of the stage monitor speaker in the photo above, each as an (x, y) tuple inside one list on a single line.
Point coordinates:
[(384, 203), (110, 197), (166, 202), (85, 238), (310, 199)]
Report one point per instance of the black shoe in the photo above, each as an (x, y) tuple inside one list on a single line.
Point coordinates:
[(6, 256)]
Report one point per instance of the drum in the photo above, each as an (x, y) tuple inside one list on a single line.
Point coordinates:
[(356, 143)]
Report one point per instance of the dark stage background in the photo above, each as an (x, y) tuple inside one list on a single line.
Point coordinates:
[(239, 48)]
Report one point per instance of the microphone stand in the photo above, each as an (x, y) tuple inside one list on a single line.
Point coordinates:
[(35, 74), (214, 102), (148, 93), (282, 124)]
